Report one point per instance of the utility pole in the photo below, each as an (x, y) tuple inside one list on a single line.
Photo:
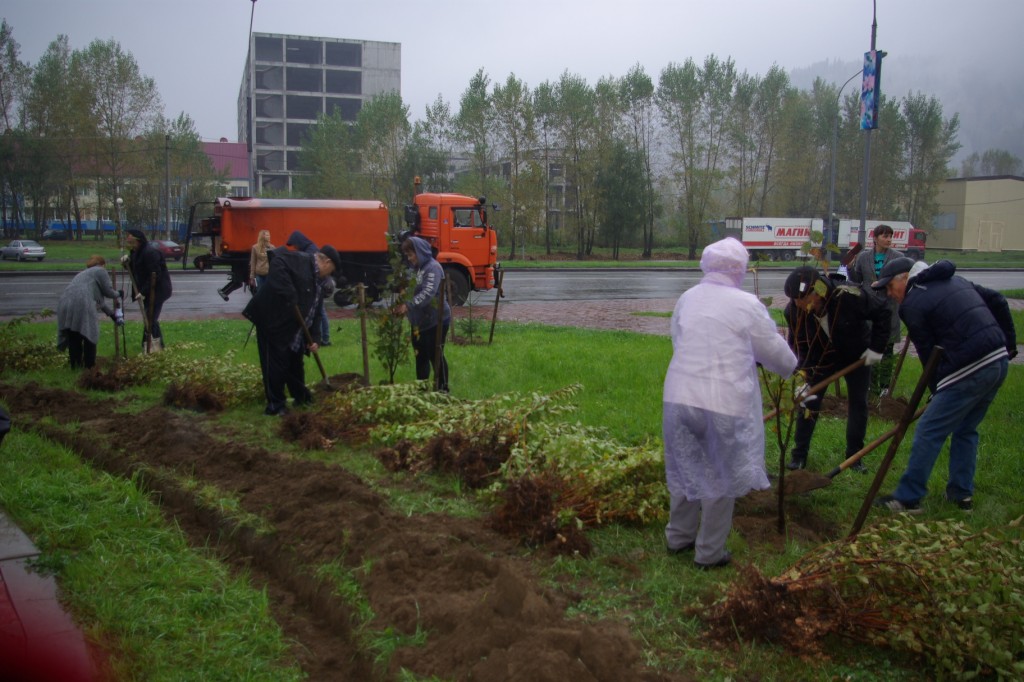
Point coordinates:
[(829, 219), (873, 71), (167, 186)]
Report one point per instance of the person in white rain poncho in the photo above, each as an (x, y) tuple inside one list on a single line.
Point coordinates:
[(712, 418)]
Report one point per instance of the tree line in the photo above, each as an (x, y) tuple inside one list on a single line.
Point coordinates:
[(629, 162), (87, 126), (636, 162)]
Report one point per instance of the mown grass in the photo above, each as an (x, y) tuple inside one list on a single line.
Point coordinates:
[(630, 577), (172, 612)]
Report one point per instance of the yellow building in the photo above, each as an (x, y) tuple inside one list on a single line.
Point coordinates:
[(980, 214)]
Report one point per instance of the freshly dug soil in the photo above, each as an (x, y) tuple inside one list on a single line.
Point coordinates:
[(471, 589)]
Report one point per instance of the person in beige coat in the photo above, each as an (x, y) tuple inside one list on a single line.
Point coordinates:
[(259, 264)]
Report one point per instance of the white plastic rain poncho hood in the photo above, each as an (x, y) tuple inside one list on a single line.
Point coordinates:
[(719, 335)]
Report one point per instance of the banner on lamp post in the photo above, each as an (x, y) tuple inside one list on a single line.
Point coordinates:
[(871, 89)]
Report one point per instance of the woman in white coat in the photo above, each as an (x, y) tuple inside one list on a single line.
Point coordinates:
[(712, 418)]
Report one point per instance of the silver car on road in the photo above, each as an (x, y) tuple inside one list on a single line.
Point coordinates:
[(23, 249)]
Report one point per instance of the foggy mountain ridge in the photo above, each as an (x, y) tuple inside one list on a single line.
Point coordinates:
[(990, 103)]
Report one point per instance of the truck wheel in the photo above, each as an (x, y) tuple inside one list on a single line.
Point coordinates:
[(342, 298), (459, 286), (788, 255)]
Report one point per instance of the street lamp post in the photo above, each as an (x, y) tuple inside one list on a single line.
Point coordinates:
[(119, 202), (835, 143)]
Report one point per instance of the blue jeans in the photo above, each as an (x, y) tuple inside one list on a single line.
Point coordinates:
[(955, 411)]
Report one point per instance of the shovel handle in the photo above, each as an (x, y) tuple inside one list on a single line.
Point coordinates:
[(824, 383), (857, 456), (309, 341)]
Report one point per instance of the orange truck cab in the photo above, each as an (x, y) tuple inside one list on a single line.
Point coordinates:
[(455, 225), (464, 244)]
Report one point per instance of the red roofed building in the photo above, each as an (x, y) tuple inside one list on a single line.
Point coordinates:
[(232, 159)]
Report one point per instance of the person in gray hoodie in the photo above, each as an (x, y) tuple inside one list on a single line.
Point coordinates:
[(78, 327), (421, 311)]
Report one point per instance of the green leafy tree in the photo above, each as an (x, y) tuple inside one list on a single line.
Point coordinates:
[(474, 131), (384, 131), (330, 158), (125, 104), (992, 162), (391, 335), (544, 110), (929, 148), (574, 118), (432, 147), (514, 127), (621, 185), (636, 93), (694, 102)]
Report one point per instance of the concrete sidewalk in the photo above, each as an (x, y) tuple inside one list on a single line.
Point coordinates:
[(38, 639)]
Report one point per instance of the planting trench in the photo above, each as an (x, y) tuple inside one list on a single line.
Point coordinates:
[(469, 588)]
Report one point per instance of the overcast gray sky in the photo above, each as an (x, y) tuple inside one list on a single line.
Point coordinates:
[(195, 49)]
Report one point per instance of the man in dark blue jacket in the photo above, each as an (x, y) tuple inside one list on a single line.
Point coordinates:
[(293, 283), (973, 326), (831, 326)]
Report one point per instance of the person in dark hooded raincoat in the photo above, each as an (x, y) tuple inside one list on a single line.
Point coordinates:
[(421, 310), (712, 420), (152, 282)]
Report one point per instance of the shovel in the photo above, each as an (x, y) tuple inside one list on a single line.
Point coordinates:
[(823, 384), (309, 341), (815, 481)]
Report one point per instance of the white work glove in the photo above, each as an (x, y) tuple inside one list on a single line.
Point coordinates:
[(119, 317), (124, 260), (871, 357), (803, 396)]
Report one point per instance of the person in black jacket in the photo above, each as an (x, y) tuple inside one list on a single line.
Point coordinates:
[(151, 281), (293, 283), (831, 326), (974, 328)]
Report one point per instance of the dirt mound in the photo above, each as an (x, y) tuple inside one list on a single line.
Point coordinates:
[(485, 612)]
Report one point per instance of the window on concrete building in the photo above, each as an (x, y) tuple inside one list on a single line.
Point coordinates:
[(301, 106), (269, 133), (293, 161), (269, 106), (555, 170), (297, 133), (275, 183), (345, 82), (347, 107), (269, 78), (344, 54), (268, 49), (300, 51), (270, 161), (310, 80)]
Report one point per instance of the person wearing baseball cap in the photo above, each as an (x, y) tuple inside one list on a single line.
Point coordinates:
[(831, 326), (973, 327)]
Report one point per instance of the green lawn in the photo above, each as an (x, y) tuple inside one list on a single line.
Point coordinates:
[(93, 527)]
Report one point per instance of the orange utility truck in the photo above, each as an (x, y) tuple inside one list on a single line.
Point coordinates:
[(455, 225)]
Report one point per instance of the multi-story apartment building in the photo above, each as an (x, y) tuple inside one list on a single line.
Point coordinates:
[(291, 80)]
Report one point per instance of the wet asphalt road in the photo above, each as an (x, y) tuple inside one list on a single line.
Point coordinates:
[(195, 294)]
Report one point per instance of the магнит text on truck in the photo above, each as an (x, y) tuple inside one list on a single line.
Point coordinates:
[(783, 238), (455, 226)]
